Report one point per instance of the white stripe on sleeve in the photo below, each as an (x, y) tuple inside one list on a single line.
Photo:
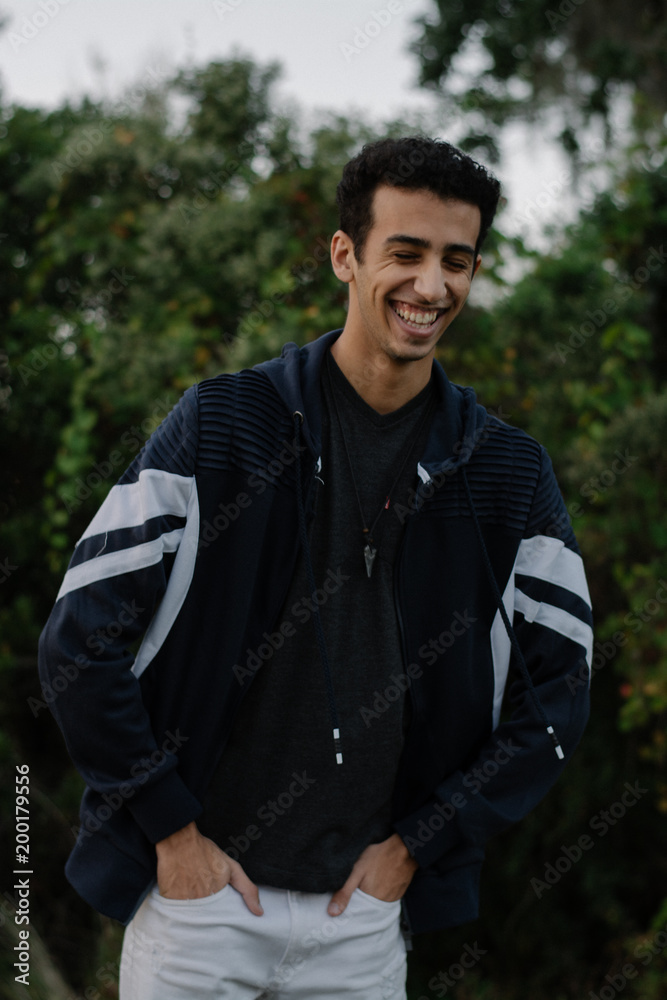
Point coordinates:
[(501, 648), (558, 620), (123, 561), (179, 583), (156, 493), (548, 559)]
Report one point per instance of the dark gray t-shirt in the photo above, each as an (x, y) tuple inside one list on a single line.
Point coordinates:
[(279, 802)]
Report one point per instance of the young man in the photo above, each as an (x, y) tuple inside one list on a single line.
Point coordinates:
[(324, 556)]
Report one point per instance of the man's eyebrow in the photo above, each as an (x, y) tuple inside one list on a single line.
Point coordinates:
[(418, 241)]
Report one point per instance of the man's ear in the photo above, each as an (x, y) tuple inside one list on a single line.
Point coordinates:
[(476, 265), (342, 256)]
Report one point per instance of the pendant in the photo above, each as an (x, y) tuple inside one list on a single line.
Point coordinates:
[(369, 555)]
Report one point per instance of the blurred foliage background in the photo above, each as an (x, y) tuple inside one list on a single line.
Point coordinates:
[(148, 244)]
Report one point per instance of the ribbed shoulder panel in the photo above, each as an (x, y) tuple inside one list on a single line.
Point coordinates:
[(503, 473), (548, 515), (173, 445), (512, 482), (243, 424)]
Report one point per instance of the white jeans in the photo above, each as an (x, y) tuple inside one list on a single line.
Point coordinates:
[(215, 949)]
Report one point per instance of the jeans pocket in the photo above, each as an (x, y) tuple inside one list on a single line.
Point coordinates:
[(188, 903), (378, 902)]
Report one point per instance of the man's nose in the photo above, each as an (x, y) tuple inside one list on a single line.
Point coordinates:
[(430, 283)]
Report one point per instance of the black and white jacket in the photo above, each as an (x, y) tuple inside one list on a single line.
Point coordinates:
[(188, 562)]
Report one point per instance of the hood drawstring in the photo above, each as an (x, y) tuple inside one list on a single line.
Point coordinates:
[(523, 669), (297, 416)]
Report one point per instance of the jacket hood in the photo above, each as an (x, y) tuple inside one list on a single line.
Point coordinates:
[(457, 426)]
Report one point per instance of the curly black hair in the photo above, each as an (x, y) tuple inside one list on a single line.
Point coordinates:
[(418, 163)]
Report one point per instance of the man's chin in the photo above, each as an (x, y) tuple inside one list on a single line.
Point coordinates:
[(407, 353), (404, 360), (409, 350)]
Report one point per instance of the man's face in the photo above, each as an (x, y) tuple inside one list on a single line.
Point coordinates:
[(418, 263)]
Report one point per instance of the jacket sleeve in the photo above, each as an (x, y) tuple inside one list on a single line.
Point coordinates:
[(144, 535), (547, 598)]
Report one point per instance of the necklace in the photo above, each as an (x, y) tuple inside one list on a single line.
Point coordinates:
[(370, 548)]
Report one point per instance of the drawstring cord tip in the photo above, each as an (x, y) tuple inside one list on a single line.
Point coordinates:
[(554, 739), (339, 755)]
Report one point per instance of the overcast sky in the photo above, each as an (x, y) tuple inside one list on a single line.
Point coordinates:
[(348, 55), (84, 45)]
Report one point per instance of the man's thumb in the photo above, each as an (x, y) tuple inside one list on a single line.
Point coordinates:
[(339, 901)]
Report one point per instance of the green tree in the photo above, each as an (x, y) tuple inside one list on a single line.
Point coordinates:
[(569, 58)]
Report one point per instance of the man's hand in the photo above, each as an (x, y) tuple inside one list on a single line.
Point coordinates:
[(190, 866), (383, 870)]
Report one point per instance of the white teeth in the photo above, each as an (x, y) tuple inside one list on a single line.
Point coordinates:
[(419, 319)]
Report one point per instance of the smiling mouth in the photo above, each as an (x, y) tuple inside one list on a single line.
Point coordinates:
[(416, 318)]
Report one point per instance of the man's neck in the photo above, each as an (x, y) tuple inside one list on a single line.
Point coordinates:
[(384, 384)]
